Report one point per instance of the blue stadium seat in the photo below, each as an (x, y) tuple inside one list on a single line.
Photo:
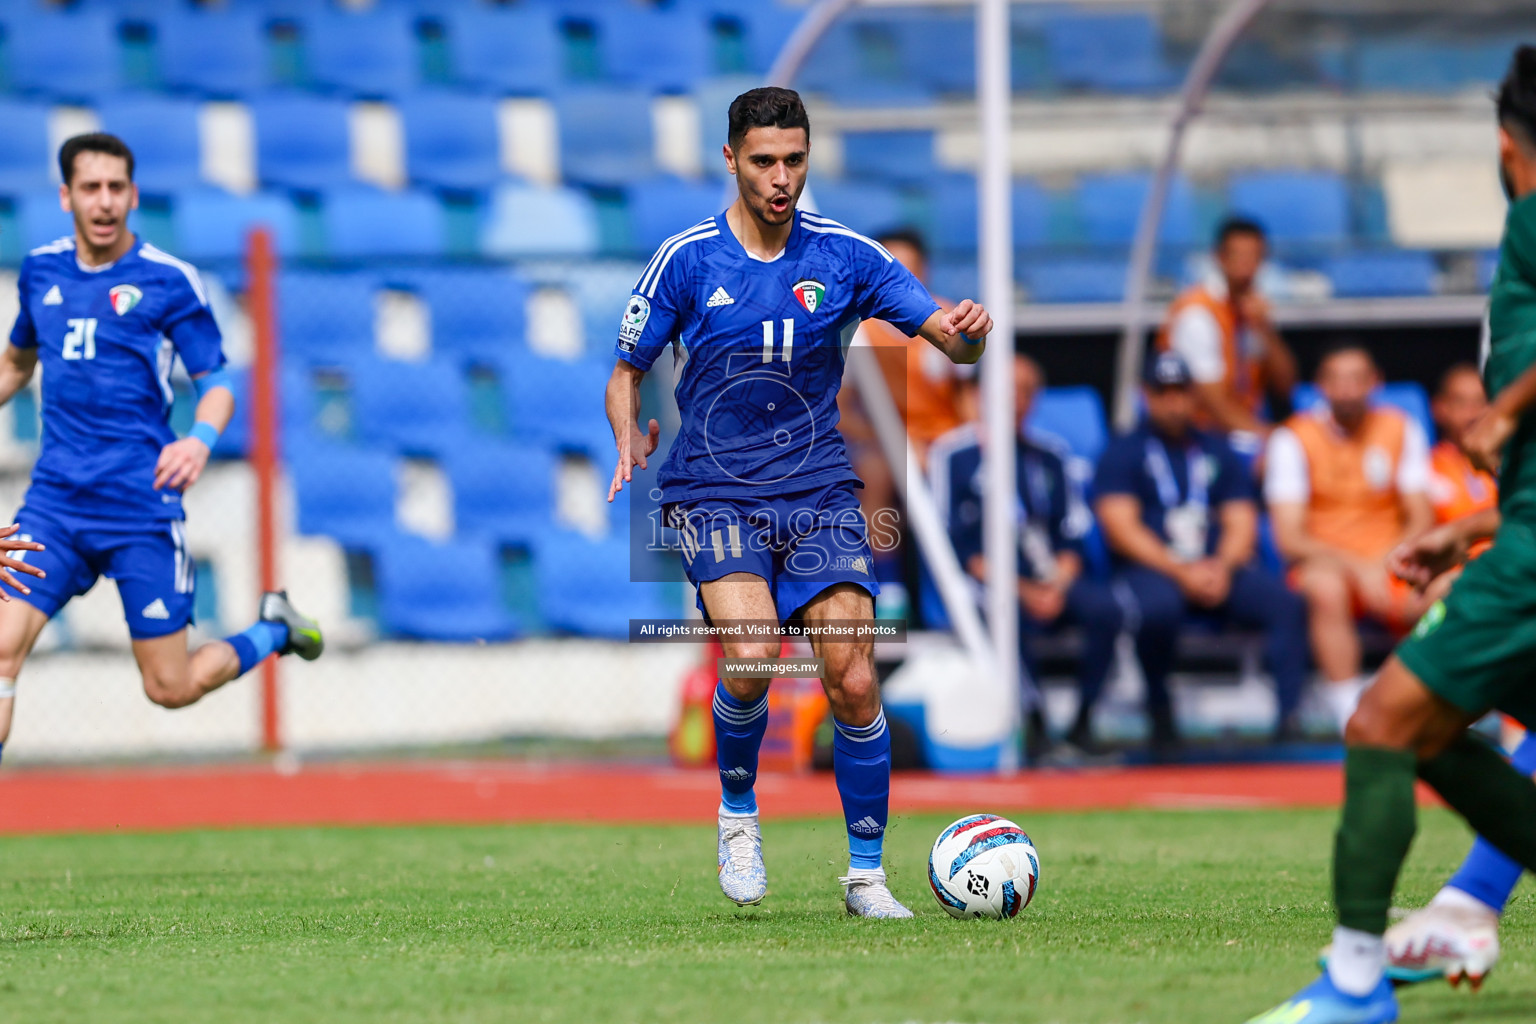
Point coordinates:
[(25, 154), (479, 314), (768, 27), (585, 587), (211, 224), (343, 492), (667, 50), (1487, 268), (512, 49), (302, 142), (451, 140), (528, 220), (865, 206), (1117, 52), (369, 53), (39, 219), (362, 222), (558, 402), (163, 134), (661, 207), (325, 318), (923, 35), (449, 590), (1109, 206), (1406, 395), (605, 135), (1381, 274), (502, 490), (68, 56), (902, 158), (414, 408), (955, 213), (1076, 279), (1429, 64), (1309, 207), (954, 279), (1075, 414), (215, 53)]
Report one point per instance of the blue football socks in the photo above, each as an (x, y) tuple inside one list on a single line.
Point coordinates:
[(1487, 875), (257, 642), (861, 763), (739, 729)]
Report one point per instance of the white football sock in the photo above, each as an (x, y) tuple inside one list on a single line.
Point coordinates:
[(1357, 961), (1343, 696)]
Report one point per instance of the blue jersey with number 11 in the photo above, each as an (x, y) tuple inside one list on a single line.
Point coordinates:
[(106, 338), (760, 347)]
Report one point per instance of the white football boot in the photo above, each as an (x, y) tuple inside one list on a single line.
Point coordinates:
[(743, 878), (1456, 937), (865, 895)]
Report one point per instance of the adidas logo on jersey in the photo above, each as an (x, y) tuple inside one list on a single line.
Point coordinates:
[(53, 298), (720, 298), (735, 774), (866, 826), (156, 609)]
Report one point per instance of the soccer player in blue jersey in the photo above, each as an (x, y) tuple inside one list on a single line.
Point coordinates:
[(106, 314), (760, 303)]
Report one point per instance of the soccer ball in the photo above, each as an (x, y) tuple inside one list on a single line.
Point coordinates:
[(983, 866)]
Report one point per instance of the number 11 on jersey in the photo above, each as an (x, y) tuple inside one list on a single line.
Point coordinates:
[(81, 336), (768, 341)]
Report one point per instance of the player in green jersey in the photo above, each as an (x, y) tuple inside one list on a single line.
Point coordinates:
[(1472, 652)]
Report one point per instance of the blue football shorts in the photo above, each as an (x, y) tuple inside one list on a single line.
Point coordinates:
[(800, 544), (148, 559)]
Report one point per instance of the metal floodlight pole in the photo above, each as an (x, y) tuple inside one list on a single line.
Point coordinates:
[(994, 96), (1228, 29)]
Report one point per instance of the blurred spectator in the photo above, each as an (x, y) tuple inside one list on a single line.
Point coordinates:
[(1456, 488), (1346, 481), (1223, 329), (1178, 510), (1053, 520)]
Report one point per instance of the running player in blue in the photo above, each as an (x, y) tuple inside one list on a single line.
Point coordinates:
[(107, 314), (760, 303)]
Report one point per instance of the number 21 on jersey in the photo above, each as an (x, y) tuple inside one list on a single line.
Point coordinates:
[(80, 342)]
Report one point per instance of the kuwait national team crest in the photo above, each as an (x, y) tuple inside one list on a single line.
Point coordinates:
[(124, 297), (810, 292)]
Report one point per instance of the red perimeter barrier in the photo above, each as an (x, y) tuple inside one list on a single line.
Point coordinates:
[(139, 799)]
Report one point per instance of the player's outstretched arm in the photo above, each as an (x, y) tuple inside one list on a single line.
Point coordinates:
[(1420, 559), (182, 462), (961, 333), (10, 542), (1484, 441), (622, 401), (16, 368)]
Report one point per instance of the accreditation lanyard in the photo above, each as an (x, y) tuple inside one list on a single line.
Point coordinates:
[(1186, 521), (1034, 536)]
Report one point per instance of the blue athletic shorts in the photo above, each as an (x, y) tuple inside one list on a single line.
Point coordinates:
[(148, 559), (801, 544)]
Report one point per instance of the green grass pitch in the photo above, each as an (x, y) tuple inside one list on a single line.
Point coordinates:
[(1178, 916)]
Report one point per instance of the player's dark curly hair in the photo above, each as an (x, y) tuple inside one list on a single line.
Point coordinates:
[(1517, 96), (768, 107), (92, 142)]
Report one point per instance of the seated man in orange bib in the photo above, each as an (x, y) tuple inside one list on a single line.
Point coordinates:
[(1346, 481)]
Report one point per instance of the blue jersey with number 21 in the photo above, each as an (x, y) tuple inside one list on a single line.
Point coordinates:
[(106, 338), (761, 346)]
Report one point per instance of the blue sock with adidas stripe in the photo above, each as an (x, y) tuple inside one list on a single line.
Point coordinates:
[(1488, 875), (861, 763), (257, 642), (739, 729)]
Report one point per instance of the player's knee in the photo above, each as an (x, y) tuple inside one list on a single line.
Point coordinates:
[(169, 692), (852, 686)]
